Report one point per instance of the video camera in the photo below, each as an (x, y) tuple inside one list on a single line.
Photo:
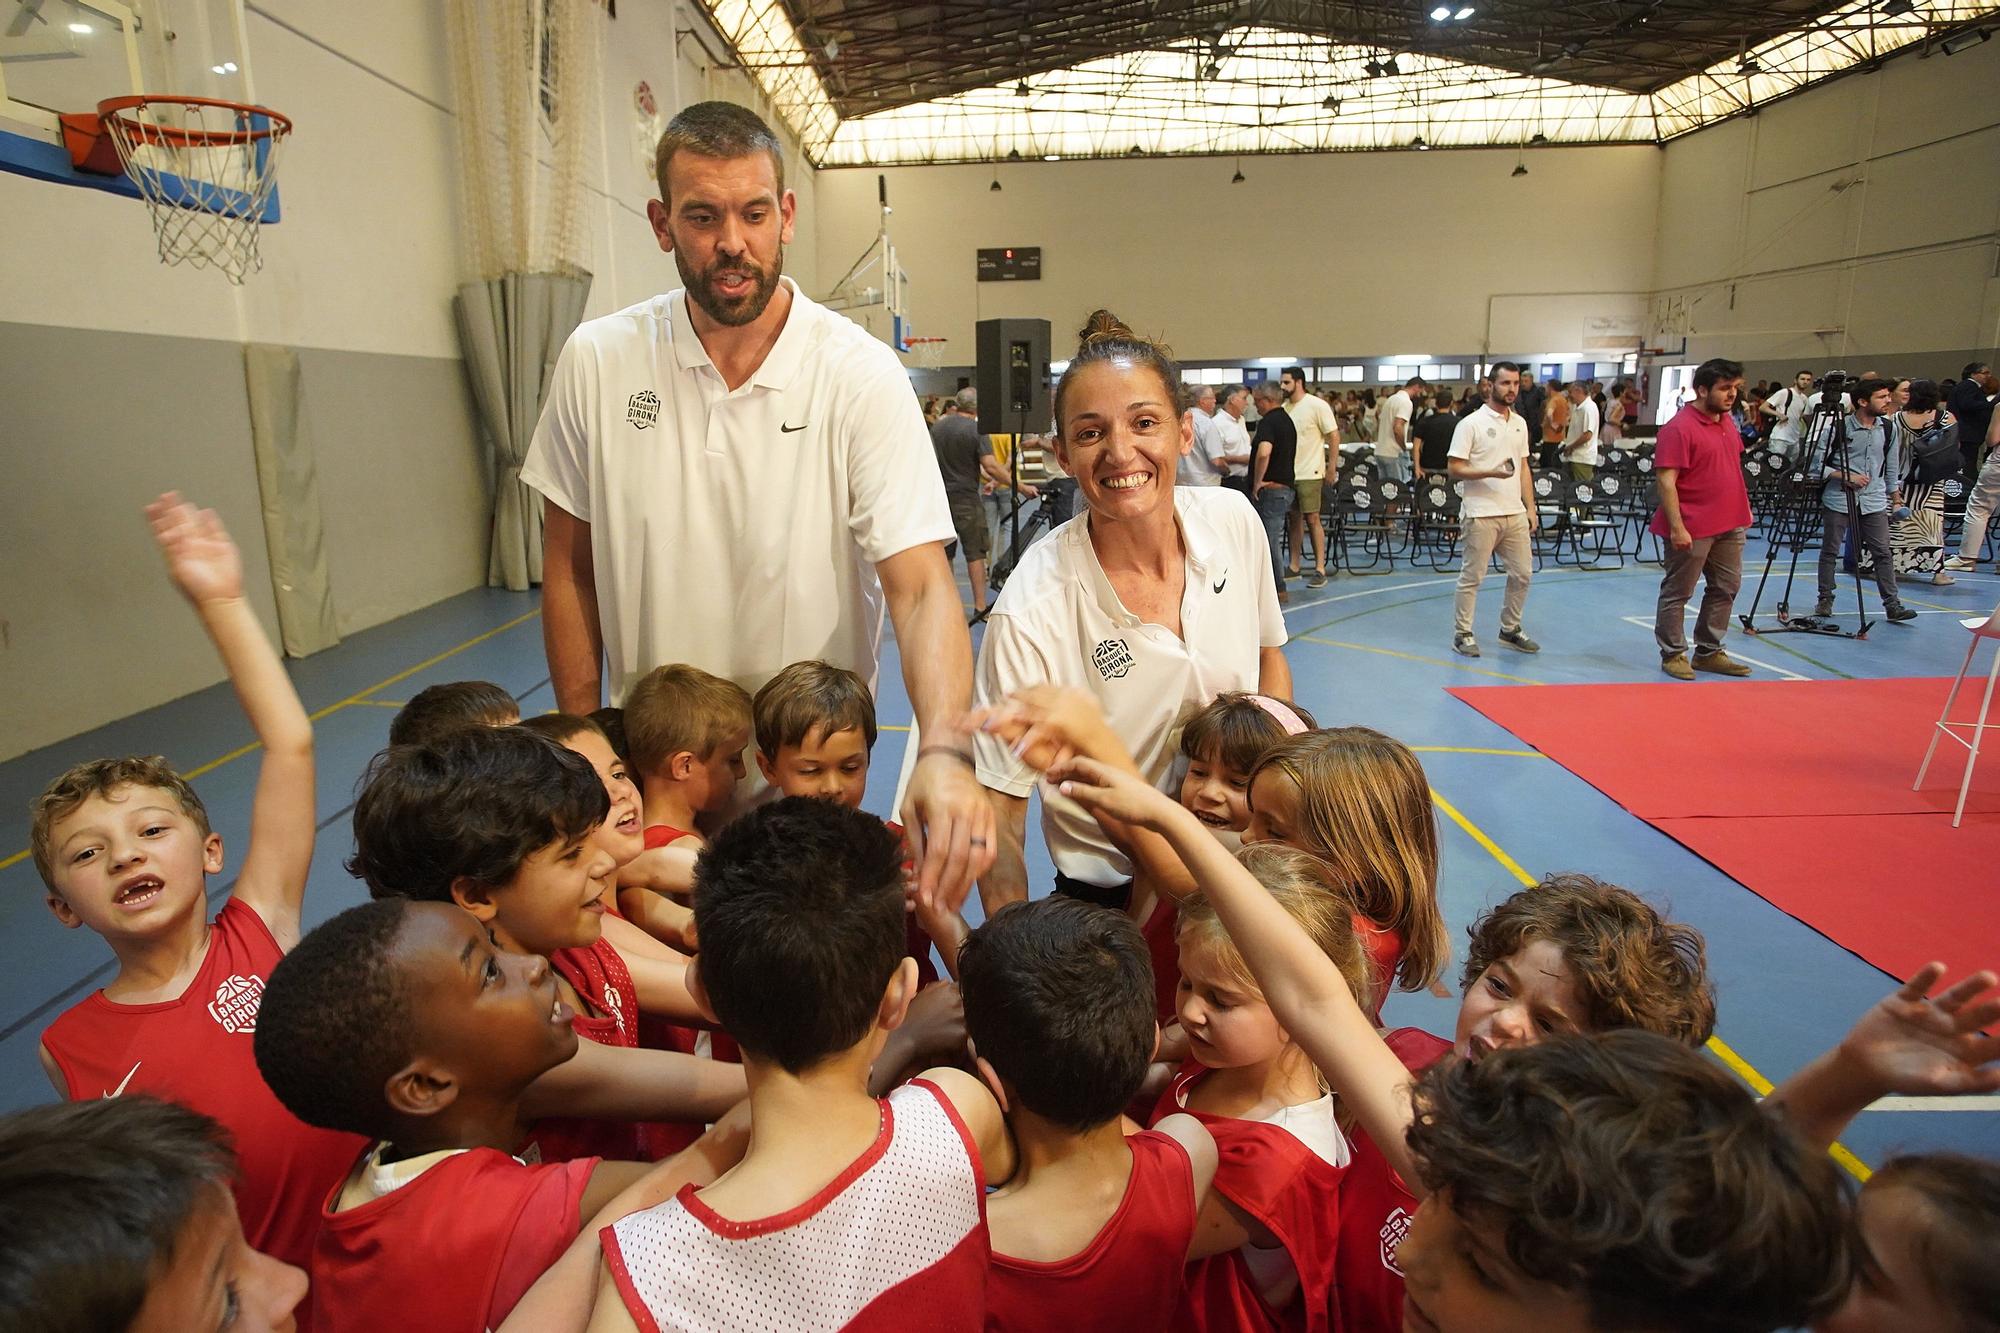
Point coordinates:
[(1831, 386)]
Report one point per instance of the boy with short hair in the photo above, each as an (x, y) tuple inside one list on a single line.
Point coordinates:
[(687, 730), (847, 1212), (125, 848), (1615, 1181), (402, 1021), (115, 1213), (1094, 1231), (815, 728), (437, 709)]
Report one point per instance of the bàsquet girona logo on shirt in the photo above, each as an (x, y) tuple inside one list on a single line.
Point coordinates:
[(1112, 658), (1393, 1231), (237, 999), (642, 409)]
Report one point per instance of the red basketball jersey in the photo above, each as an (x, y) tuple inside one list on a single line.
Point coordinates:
[(1375, 1212), (895, 1242), (1128, 1279), (1289, 1190), (916, 942), (197, 1051), (451, 1251), (1163, 943), (599, 975), (1385, 954)]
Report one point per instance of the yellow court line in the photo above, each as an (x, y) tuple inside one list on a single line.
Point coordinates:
[(360, 697), (890, 726), (382, 703), (1475, 749), (1742, 1068), (1412, 657)]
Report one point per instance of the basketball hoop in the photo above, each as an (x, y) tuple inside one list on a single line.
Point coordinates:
[(205, 168), (929, 352)]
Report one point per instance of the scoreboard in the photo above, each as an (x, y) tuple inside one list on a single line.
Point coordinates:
[(1014, 263)]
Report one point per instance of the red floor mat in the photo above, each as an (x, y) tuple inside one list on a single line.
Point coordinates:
[(1799, 790), (1752, 747)]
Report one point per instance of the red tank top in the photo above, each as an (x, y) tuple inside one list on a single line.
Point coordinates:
[(1385, 954), (1375, 1212), (1289, 1190), (661, 1034), (197, 1051), (451, 1251), (1163, 943), (599, 975), (915, 942), (1128, 1279)]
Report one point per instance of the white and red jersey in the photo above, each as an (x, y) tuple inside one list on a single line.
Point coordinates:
[(1376, 1208), (197, 1051), (896, 1242)]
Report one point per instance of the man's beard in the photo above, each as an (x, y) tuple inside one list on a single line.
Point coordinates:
[(731, 312)]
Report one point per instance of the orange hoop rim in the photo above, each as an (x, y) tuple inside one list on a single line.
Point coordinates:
[(110, 109)]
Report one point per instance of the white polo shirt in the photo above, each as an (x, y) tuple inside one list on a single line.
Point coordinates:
[(1235, 440), (1485, 439), (737, 531), (1058, 622)]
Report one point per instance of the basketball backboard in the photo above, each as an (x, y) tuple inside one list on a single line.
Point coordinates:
[(61, 56)]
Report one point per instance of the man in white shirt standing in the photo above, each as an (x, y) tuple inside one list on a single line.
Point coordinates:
[(1319, 432), (1202, 465), (1579, 446), (1392, 431), (1787, 410), (738, 478), (1235, 437), (1489, 455)]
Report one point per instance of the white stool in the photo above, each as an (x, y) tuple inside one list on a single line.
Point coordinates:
[(1988, 628)]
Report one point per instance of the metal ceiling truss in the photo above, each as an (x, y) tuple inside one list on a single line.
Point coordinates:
[(868, 82)]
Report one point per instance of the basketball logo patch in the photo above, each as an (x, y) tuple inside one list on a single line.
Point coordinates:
[(1111, 658), (237, 999), (1393, 1231), (642, 409)]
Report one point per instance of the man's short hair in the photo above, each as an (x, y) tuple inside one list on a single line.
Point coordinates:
[(1632, 967), (335, 1023), (680, 707), (1717, 370), (437, 709), (1296, 372), (102, 777), (1498, 366), (1413, 381), (476, 803), (94, 1194), (1059, 999), (1866, 389), (1807, 373), (811, 695), (718, 129), (1265, 392), (1631, 1172), (966, 400), (1972, 368), (800, 908), (1223, 394)]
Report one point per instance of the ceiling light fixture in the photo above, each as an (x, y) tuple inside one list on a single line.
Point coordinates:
[(1051, 157), (1390, 67), (1021, 88), (1237, 179), (1952, 45), (1441, 13), (832, 48), (1748, 65), (1331, 103), (1464, 12), (1538, 140), (994, 188), (1520, 169), (79, 27), (1374, 68), (1419, 144), (1895, 7)]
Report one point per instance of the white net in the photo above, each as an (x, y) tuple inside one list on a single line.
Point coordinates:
[(928, 352), (525, 76), (206, 171)]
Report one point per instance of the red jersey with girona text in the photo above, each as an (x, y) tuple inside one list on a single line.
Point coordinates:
[(451, 1251), (1375, 1212), (197, 1051), (1128, 1279), (600, 976), (895, 1243)]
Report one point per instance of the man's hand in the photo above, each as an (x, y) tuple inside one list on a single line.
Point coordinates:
[(201, 560), (1027, 491), (949, 823), (1680, 537), (1534, 520)]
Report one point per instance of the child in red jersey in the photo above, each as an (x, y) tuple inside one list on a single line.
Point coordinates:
[(1094, 1229), (1925, 1223), (1358, 800), (125, 849), (507, 824), (848, 1212), (815, 729), (115, 1213), (687, 731), (403, 1021), (1264, 1252)]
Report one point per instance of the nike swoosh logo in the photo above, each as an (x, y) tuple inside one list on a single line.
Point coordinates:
[(119, 1091), (789, 429), (1220, 586)]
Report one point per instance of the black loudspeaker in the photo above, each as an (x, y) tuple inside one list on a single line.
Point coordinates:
[(1012, 376)]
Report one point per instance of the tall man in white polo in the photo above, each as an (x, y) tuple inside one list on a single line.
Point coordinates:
[(738, 478), (1489, 457)]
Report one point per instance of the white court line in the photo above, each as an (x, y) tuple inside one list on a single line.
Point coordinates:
[(1936, 1104), (1645, 622), (1370, 592)]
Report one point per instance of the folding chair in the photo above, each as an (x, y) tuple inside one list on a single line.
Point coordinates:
[(1988, 628), (1438, 529)]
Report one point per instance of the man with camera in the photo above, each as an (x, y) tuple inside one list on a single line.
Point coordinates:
[(1858, 487)]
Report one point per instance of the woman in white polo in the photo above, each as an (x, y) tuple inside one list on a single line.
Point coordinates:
[(1152, 599)]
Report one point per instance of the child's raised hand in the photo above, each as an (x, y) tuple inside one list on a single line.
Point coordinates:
[(201, 560), (1109, 793), (935, 1025), (1047, 724), (1916, 1043)]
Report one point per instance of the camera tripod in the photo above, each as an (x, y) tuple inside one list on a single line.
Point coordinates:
[(1051, 508), (1799, 525)]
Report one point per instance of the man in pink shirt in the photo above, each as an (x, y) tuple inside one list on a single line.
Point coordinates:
[(1704, 511)]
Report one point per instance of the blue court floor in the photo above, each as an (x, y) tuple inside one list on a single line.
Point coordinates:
[(1370, 648)]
